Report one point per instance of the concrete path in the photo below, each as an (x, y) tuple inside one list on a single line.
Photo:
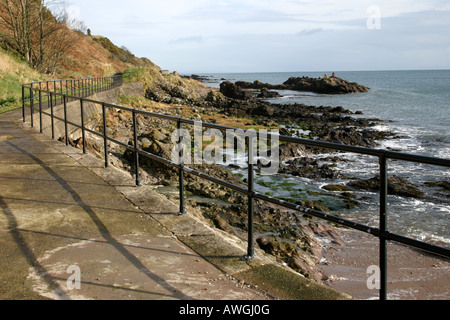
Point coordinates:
[(72, 229)]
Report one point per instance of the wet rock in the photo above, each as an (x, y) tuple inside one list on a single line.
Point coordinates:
[(328, 85), (264, 242), (396, 186), (292, 254), (253, 85), (336, 187), (232, 91), (292, 150), (443, 185), (328, 232), (298, 263), (309, 168), (265, 94), (346, 135)]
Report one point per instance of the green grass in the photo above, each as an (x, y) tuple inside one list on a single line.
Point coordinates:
[(10, 94), (8, 104), (13, 72)]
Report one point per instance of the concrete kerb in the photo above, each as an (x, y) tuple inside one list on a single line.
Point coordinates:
[(221, 249)]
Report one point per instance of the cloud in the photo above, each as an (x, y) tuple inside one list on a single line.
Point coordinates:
[(196, 39), (74, 12), (285, 35), (308, 32)]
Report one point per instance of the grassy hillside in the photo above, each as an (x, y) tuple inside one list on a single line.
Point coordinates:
[(13, 72), (87, 56), (55, 52), (90, 56), (96, 56)]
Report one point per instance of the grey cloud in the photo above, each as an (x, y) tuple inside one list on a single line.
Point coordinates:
[(197, 39), (308, 32), (238, 12)]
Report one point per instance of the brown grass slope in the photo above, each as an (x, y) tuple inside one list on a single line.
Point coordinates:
[(95, 56)]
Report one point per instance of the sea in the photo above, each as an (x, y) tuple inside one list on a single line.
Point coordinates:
[(415, 105)]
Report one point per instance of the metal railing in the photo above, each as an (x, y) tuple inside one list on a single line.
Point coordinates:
[(55, 90), (383, 156)]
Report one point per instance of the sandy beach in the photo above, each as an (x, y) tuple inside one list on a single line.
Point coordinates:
[(412, 274)]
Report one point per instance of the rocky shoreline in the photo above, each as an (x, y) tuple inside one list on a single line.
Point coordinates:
[(325, 85), (295, 239)]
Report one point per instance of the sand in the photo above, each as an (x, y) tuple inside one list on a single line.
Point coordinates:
[(412, 274)]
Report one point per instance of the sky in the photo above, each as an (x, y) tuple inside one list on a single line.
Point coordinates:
[(220, 36)]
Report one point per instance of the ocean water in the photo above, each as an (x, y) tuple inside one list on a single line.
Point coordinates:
[(413, 104)]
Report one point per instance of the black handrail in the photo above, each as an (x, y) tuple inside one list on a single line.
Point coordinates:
[(383, 155), (71, 88)]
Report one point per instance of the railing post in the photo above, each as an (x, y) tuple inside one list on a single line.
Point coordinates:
[(83, 131), (40, 108), (61, 90), (136, 153), (23, 103), (54, 89), (383, 227), (31, 105), (65, 121), (52, 116), (250, 188), (105, 135), (181, 171)]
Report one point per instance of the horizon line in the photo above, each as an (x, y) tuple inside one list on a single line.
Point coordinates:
[(305, 71)]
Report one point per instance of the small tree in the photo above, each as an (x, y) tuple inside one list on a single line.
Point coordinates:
[(34, 32)]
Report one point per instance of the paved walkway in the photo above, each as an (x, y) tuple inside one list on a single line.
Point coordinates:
[(64, 218)]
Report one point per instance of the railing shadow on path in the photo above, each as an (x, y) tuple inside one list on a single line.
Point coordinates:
[(121, 248), (28, 252)]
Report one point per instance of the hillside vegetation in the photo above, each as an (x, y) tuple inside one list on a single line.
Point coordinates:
[(13, 72), (87, 56), (96, 56)]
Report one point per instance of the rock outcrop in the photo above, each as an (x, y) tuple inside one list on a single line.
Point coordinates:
[(396, 186), (233, 91), (326, 85)]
